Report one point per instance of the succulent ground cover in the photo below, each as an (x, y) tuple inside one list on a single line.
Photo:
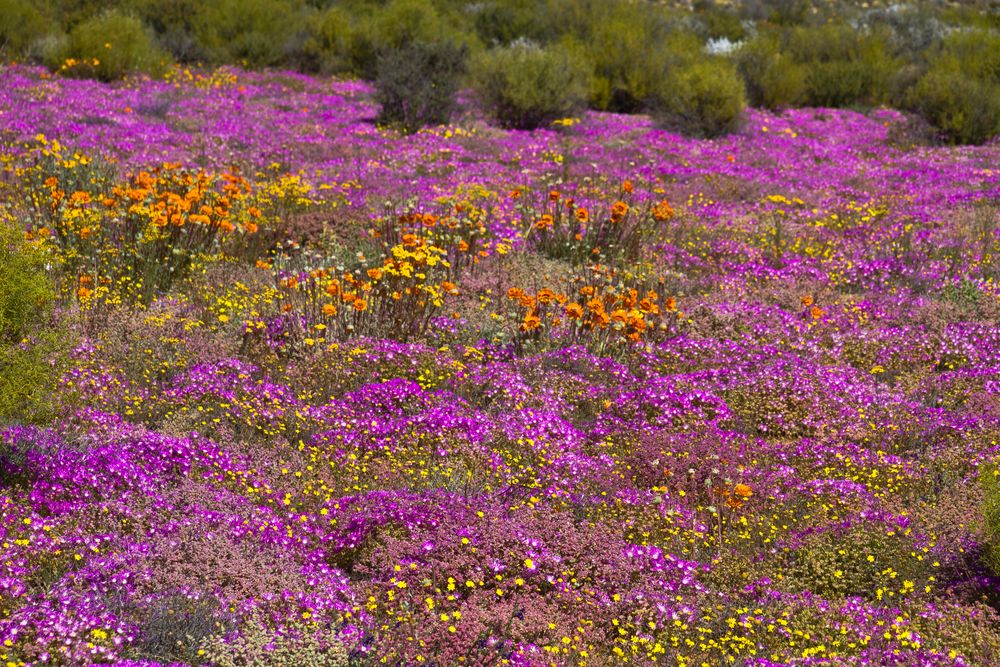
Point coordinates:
[(595, 394)]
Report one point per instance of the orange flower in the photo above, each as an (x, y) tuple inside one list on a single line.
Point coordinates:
[(515, 293), (530, 323), (817, 312), (671, 304), (544, 222), (582, 215), (360, 305), (554, 195), (329, 310), (375, 274), (449, 287), (599, 319), (463, 246), (627, 187), (515, 194), (574, 311), (409, 240), (618, 211), (807, 301), (83, 293), (663, 211), (742, 491), (79, 198), (546, 296)]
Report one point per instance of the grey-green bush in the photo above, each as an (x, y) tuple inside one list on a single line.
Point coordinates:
[(702, 98), (416, 84), (526, 86)]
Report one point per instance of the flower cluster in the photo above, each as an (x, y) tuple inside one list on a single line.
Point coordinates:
[(328, 394)]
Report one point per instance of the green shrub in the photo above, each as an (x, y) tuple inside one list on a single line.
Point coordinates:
[(330, 42), (399, 23), (120, 44), (262, 33), (989, 479), (719, 22), (976, 53), (843, 66), (772, 79), (416, 84), (174, 22), (526, 86), (629, 46), (965, 110), (703, 98), (27, 343), (628, 60), (501, 22), (21, 25)]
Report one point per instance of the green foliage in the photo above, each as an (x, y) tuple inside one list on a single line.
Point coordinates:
[(331, 41), (21, 25), (258, 645), (772, 79), (630, 55), (502, 22), (844, 67), (174, 23), (119, 43), (964, 109), (399, 23), (416, 84), (958, 87), (260, 32), (703, 98), (719, 22), (989, 479), (27, 344), (975, 53), (526, 86)]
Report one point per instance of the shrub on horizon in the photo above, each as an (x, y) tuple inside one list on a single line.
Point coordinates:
[(703, 98), (108, 46), (416, 84), (526, 86)]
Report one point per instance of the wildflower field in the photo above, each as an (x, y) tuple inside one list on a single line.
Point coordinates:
[(285, 387)]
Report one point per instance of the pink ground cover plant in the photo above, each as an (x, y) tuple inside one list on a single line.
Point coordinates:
[(595, 394)]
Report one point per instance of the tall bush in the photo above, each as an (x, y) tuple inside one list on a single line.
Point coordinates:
[(702, 98), (416, 84), (27, 342), (772, 79), (526, 86), (109, 46)]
